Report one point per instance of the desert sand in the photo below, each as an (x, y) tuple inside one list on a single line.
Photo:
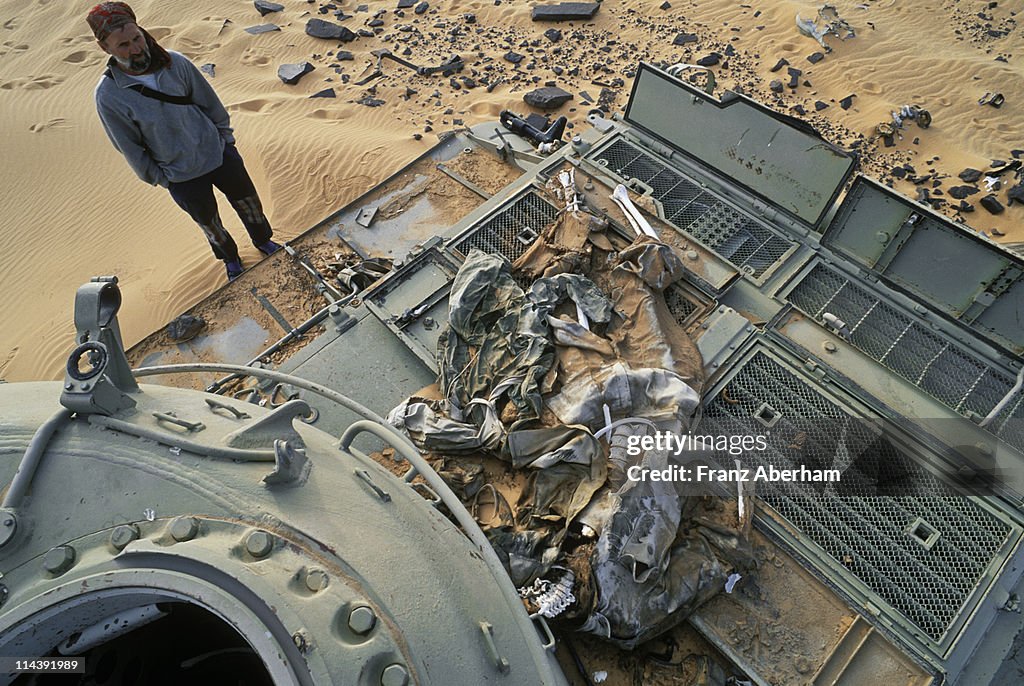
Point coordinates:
[(71, 208)]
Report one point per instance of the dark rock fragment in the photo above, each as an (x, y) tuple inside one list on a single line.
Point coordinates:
[(318, 28), (961, 192), (847, 102), (684, 38), (776, 86), (209, 68), (565, 11), (185, 328), (992, 204), (819, 105), (291, 73), (262, 28), (969, 175), (325, 93), (779, 65), (794, 77), (709, 60), (815, 57), (553, 35), (265, 8), (547, 98), (513, 57), (1016, 194), (421, 8)]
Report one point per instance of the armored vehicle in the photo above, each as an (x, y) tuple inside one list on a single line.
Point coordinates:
[(240, 535)]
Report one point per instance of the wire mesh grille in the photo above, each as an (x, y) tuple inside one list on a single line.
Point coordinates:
[(733, 235), (947, 371), (679, 304), (513, 229), (868, 532)]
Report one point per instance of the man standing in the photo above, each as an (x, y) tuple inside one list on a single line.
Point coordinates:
[(163, 116)]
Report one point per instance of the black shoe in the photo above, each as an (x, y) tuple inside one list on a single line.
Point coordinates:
[(234, 268), (269, 248)]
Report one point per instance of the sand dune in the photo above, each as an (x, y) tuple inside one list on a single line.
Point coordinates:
[(72, 209)]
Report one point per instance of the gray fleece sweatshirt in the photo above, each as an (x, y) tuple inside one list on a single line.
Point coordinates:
[(164, 142)]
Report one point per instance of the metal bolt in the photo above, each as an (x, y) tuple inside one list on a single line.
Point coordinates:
[(122, 535), (184, 528), (259, 543), (68, 386), (316, 580), (830, 347), (691, 254), (299, 639), (8, 527), (394, 675), (362, 620), (59, 560), (86, 386)]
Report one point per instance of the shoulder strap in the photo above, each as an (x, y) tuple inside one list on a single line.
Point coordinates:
[(156, 95)]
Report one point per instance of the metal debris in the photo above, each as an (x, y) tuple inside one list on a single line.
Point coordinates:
[(831, 24)]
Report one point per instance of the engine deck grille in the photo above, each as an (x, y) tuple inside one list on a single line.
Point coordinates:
[(512, 229), (949, 372), (877, 537), (734, 236)]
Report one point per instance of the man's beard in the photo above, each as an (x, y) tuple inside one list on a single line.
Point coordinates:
[(136, 65)]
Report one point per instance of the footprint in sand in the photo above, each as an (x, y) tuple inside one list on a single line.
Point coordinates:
[(11, 24), (58, 122), (20, 47), (86, 58), (251, 59), (33, 83), (255, 106), (159, 33)]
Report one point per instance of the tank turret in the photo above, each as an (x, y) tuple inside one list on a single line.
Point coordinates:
[(171, 536)]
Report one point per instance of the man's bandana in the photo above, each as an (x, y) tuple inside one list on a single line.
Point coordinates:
[(107, 17)]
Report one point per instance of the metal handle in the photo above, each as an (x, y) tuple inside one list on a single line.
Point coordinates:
[(172, 418)]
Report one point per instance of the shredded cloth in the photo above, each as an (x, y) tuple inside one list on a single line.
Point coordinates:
[(537, 360)]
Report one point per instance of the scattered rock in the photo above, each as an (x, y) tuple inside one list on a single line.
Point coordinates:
[(684, 38), (847, 102), (709, 60), (794, 76), (815, 57), (344, 56), (318, 28), (1016, 194), (779, 65), (992, 204), (265, 8), (369, 101), (776, 86), (325, 93), (405, 4), (547, 98), (965, 207), (665, 6), (262, 28), (291, 73), (553, 35), (820, 105), (961, 192), (421, 8), (565, 11), (209, 68), (969, 175), (513, 57), (185, 328)]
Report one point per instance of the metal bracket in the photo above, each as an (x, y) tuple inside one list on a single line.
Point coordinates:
[(98, 378)]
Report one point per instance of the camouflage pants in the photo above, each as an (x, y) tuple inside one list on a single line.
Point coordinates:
[(195, 196)]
